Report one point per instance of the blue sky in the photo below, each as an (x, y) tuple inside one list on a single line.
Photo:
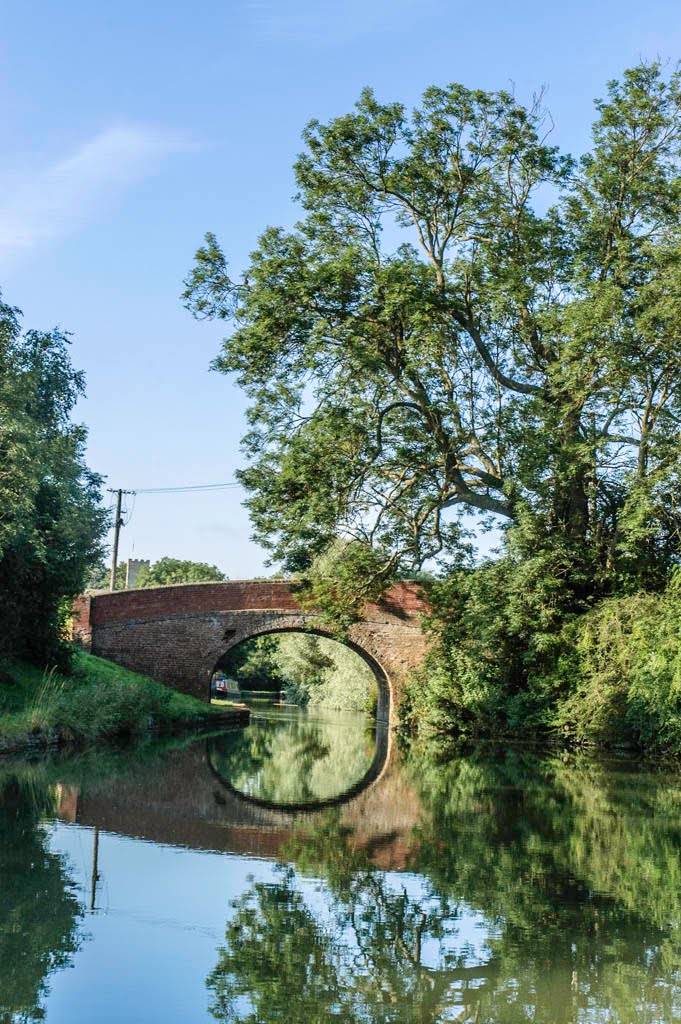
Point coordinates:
[(130, 129)]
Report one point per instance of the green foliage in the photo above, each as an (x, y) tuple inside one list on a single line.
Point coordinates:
[(325, 673), (176, 570), (340, 579), (99, 577), (312, 669), (98, 699), (623, 662), (511, 657), (51, 518), (465, 321), (163, 573), (497, 633), (254, 663), (305, 662)]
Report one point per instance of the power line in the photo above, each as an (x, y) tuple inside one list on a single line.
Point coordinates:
[(192, 487), (119, 520)]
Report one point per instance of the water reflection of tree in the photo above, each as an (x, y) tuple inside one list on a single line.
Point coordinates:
[(577, 870), (295, 761), (574, 871), (38, 913), (375, 953)]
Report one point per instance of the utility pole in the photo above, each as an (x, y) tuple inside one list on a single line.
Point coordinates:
[(94, 877), (118, 522)]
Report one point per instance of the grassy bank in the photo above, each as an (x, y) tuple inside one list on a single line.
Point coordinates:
[(99, 700)]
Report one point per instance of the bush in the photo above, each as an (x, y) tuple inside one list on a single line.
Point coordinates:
[(498, 633), (625, 661), (509, 659)]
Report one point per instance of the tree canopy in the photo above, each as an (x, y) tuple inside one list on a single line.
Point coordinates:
[(51, 517), (177, 570), (466, 320)]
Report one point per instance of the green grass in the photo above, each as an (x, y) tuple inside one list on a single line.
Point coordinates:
[(98, 700)]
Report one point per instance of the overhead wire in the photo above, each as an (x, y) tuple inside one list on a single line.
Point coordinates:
[(192, 487), (127, 511)]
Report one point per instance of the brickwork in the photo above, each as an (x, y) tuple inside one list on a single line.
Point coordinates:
[(177, 634)]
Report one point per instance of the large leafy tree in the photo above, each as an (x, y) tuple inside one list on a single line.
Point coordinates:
[(51, 518), (177, 570), (466, 321)]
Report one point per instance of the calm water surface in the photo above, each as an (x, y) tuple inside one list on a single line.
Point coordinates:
[(289, 873)]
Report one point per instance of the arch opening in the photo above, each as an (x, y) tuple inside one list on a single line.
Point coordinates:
[(302, 754), (252, 667)]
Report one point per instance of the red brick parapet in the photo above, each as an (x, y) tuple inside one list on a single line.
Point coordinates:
[(404, 600)]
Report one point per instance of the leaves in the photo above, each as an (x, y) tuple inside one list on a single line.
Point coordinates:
[(177, 570), (51, 518), (465, 321)]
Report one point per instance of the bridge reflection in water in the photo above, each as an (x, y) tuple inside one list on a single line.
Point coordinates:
[(516, 886), (251, 791)]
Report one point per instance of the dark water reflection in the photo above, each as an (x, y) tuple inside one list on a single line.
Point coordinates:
[(299, 759), (497, 887)]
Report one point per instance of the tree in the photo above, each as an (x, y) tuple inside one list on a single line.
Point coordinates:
[(99, 576), (51, 517), (325, 673), (254, 664), (176, 570), (312, 669), (466, 321)]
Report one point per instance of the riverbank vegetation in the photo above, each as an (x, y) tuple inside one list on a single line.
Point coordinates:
[(51, 518), (313, 671), (97, 700), (506, 663), (468, 330)]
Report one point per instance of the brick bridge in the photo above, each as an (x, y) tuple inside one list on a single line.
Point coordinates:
[(177, 634)]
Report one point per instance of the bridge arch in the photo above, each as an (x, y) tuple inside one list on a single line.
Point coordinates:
[(176, 634), (383, 684)]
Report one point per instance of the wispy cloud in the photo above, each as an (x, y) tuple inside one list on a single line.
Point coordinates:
[(56, 201), (328, 22)]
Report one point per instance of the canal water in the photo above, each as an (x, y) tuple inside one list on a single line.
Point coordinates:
[(300, 871)]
